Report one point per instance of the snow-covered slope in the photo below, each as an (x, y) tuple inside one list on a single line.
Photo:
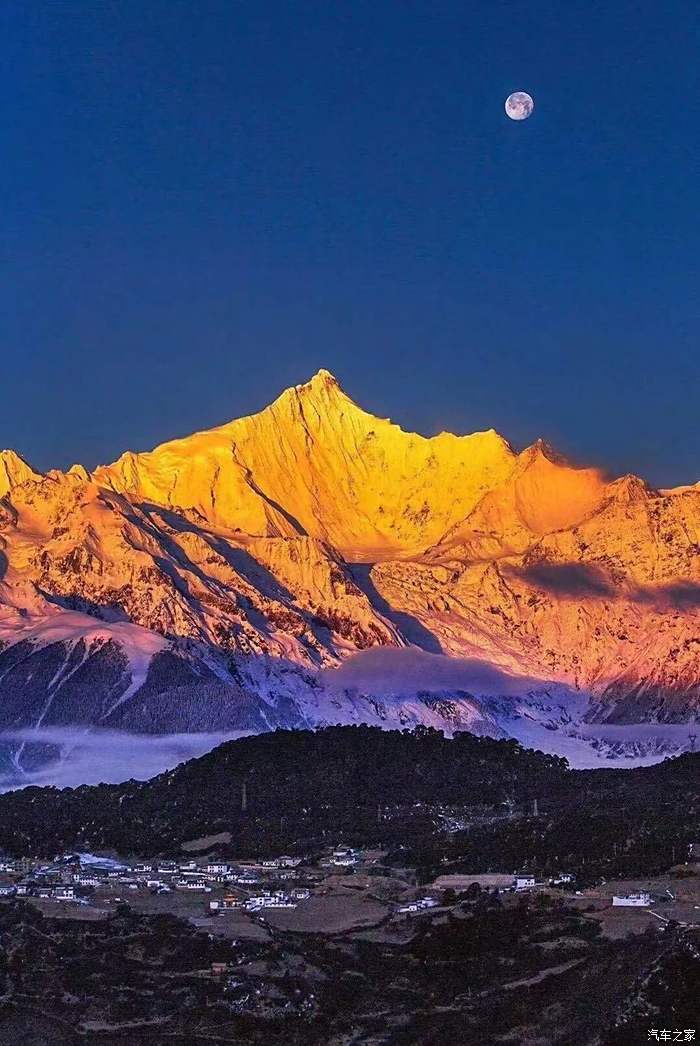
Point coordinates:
[(475, 695), (245, 577)]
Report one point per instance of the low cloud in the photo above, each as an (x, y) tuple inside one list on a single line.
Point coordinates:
[(402, 671), (102, 756)]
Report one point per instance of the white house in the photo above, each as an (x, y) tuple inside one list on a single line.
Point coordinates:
[(7, 889), (345, 858), (218, 868), (256, 902), (85, 879), (193, 884), (277, 899), (632, 900), (64, 893), (523, 881), (227, 903), (419, 905), (166, 867), (345, 855)]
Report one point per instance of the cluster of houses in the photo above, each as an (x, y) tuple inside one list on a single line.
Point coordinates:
[(69, 877), (73, 877), (420, 905), (263, 899), (48, 891), (346, 858), (165, 875), (49, 882), (527, 881)]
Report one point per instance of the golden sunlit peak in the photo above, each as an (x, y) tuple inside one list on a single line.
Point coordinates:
[(11, 456), (325, 375), (321, 386), (321, 379), (14, 470), (543, 449)]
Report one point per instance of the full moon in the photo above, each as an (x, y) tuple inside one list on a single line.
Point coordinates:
[(519, 105)]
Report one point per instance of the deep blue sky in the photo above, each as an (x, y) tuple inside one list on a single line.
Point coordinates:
[(203, 201)]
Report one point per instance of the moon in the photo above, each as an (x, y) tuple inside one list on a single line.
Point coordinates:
[(519, 105)]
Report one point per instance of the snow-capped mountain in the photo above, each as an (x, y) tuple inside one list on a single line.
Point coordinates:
[(268, 571)]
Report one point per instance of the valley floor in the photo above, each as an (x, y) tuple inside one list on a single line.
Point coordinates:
[(480, 967)]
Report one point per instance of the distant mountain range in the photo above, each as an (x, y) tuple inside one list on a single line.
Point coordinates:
[(314, 564)]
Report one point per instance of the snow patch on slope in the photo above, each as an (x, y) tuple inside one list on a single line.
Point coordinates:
[(540, 714), (70, 626)]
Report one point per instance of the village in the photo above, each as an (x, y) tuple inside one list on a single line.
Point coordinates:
[(351, 886), (83, 878), (268, 911)]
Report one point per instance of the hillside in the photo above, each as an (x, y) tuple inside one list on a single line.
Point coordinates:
[(300, 785), (306, 789)]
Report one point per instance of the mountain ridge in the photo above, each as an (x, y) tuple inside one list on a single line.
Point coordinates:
[(276, 546)]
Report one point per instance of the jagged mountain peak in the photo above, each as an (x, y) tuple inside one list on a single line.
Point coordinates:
[(542, 449), (14, 471), (234, 544), (631, 488), (542, 494), (314, 462), (321, 379), (323, 392)]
